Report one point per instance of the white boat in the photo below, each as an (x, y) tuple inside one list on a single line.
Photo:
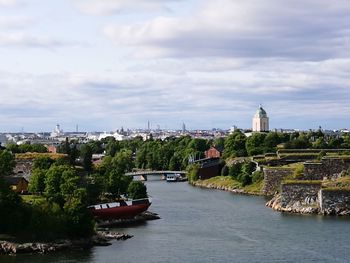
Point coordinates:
[(175, 178)]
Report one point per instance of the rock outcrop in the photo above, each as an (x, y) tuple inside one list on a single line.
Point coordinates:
[(101, 238), (296, 207)]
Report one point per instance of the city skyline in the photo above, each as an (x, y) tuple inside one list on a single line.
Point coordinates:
[(104, 64)]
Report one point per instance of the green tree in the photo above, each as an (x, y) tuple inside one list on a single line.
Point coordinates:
[(7, 163), (118, 183), (271, 140), (38, 148), (96, 184), (69, 182), (192, 172), (320, 143), (235, 145), (42, 163), (79, 221), (86, 156), (13, 147), (37, 181), (137, 190), (219, 143), (199, 145), (112, 147), (235, 170), (225, 171), (255, 144)]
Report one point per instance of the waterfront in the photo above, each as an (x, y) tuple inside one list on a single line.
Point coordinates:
[(200, 225)]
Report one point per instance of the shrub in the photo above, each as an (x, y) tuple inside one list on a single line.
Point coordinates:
[(137, 190), (225, 171), (298, 171), (258, 176), (192, 172)]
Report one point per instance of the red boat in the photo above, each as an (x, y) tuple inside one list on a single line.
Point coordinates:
[(120, 209)]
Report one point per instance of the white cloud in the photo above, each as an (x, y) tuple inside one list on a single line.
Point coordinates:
[(21, 39), (298, 30), (210, 68), (107, 7), (8, 3), (7, 22)]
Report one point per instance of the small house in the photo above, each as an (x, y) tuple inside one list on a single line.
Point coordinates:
[(213, 152), (17, 184)]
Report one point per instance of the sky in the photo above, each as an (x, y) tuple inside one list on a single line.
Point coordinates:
[(107, 64)]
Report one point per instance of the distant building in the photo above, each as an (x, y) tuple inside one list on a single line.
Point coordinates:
[(260, 121), (57, 131), (183, 127), (17, 184), (213, 152), (51, 148)]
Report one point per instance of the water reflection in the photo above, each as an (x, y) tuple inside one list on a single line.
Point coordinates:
[(73, 256)]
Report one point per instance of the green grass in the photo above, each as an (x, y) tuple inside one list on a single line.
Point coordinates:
[(337, 156), (343, 182), (254, 188), (336, 189), (278, 167), (302, 182), (53, 156), (225, 181), (298, 155), (33, 198), (293, 165), (228, 182)]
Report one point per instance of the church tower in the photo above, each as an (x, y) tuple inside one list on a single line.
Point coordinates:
[(260, 121)]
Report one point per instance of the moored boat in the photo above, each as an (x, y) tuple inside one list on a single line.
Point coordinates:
[(175, 178), (120, 209)]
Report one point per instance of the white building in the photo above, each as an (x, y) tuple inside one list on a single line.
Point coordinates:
[(260, 121), (57, 131)]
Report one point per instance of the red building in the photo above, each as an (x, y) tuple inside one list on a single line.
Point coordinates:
[(213, 152), (51, 149)]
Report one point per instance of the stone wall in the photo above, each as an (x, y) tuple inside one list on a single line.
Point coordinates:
[(273, 178), (299, 193), (328, 167), (334, 201), (334, 166), (23, 167), (313, 171)]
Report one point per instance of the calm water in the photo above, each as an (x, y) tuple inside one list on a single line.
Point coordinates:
[(200, 225)]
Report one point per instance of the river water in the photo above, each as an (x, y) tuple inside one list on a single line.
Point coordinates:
[(200, 225)]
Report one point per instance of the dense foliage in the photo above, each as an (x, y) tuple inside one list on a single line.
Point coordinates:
[(67, 186), (137, 190)]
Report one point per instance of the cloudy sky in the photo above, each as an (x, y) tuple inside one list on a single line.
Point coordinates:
[(103, 64)]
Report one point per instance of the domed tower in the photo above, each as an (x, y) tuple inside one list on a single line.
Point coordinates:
[(260, 121)]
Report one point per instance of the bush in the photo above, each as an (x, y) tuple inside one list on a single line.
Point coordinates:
[(192, 172), (225, 171), (245, 179), (137, 190), (298, 171), (258, 176), (235, 170)]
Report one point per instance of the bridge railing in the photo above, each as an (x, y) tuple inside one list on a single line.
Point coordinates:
[(153, 172)]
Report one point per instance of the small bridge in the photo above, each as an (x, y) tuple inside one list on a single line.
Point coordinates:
[(143, 174)]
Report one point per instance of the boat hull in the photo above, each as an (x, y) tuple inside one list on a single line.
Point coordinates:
[(120, 212)]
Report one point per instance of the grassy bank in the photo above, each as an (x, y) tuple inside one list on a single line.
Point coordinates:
[(229, 184)]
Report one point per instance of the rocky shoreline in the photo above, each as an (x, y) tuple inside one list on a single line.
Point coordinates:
[(101, 238), (302, 208), (297, 207)]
